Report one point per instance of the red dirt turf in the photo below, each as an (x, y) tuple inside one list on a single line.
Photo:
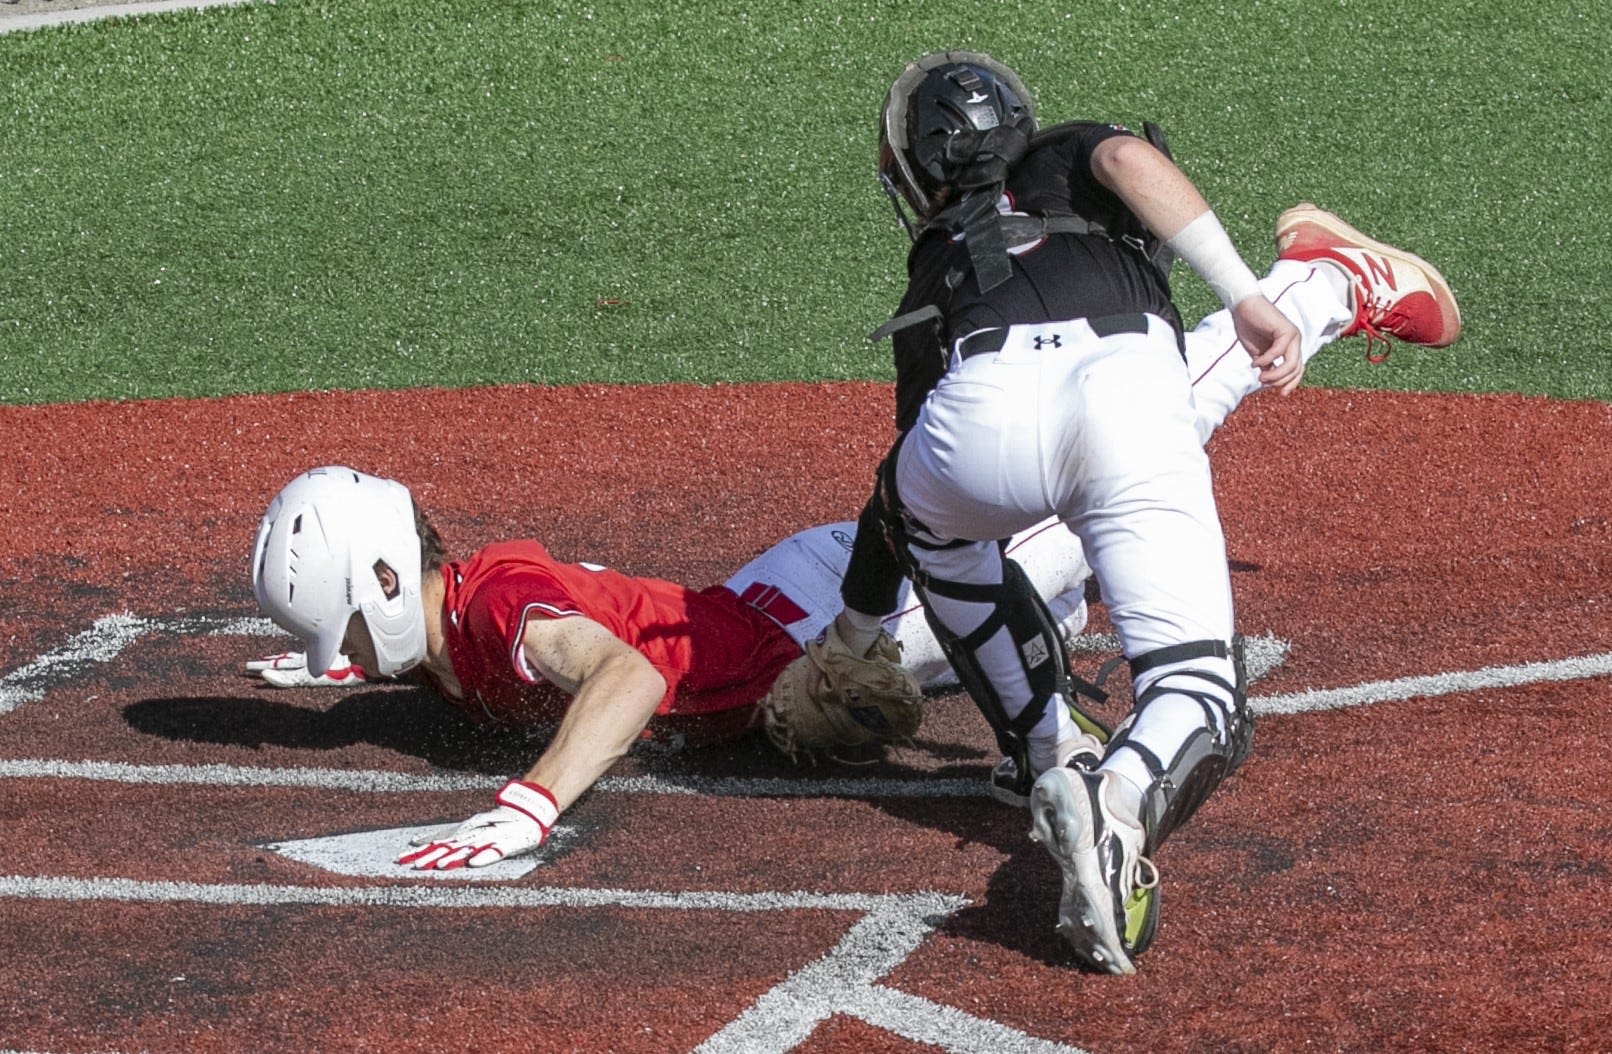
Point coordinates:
[(1420, 875)]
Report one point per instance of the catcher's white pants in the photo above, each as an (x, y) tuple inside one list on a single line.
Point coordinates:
[(1105, 434), (797, 580)]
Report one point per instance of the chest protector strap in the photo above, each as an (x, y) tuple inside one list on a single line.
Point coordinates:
[(988, 234)]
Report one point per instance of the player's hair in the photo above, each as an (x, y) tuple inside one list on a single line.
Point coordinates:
[(433, 552)]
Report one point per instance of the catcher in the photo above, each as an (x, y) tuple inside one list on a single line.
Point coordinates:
[(345, 562)]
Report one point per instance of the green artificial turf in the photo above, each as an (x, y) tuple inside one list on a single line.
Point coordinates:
[(306, 195)]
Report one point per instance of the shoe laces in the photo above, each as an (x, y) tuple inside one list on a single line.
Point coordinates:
[(1147, 872), (1141, 871), (1373, 316), (1374, 337)]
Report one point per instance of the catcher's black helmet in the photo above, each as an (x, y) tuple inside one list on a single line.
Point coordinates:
[(950, 121)]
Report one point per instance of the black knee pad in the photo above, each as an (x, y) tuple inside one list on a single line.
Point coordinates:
[(1020, 610)]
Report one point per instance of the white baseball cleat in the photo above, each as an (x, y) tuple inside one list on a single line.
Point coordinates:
[(1395, 293), (1110, 906)]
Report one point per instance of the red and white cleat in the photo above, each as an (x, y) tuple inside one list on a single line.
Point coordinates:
[(1396, 294)]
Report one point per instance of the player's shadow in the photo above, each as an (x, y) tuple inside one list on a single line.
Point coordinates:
[(1020, 907), (400, 719)]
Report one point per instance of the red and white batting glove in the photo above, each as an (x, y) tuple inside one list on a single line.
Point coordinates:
[(289, 669), (524, 817)]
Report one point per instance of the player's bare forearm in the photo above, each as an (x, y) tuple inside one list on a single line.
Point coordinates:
[(1173, 209), (1149, 184), (1166, 201), (616, 692), (597, 731)]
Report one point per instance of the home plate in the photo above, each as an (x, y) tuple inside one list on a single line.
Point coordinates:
[(373, 854)]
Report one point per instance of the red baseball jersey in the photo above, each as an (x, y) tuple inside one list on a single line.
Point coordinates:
[(717, 653)]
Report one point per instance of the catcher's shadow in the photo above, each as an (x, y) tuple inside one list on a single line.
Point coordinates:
[(1020, 906), (404, 720)]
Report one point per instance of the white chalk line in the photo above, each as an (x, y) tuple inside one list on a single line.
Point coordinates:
[(382, 782), (842, 981), (936, 1024), (104, 641), (101, 643), (1434, 685), (110, 635), (130, 890)]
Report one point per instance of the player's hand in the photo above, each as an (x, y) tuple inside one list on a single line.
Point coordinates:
[(524, 817), (289, 669), (1272, 343)]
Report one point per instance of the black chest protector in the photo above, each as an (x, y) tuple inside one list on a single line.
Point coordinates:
[(955, 285)]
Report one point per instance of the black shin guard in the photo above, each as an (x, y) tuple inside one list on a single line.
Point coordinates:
[(1184, 782), (1016, 607)]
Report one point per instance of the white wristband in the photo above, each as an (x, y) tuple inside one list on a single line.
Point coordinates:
[(1207, 249), (531, 799)]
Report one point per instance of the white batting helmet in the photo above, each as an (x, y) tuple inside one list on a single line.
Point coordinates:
[(315, 561)]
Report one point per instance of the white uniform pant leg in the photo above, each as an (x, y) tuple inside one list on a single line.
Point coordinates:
[(1055, 562), (797, 583), (1103, 435), (1152, 533), (970, 469), (1222, 374)]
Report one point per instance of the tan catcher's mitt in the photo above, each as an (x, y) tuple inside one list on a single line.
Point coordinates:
[(832, 697)]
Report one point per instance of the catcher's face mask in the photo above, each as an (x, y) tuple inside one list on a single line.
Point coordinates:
[(940, 103)]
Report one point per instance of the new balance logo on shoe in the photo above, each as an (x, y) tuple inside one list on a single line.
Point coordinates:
[(1395, 294), (1378, 268)]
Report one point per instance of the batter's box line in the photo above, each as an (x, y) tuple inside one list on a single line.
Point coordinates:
[(111, 634), (382, 782), (844, 981), (104, 641)]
